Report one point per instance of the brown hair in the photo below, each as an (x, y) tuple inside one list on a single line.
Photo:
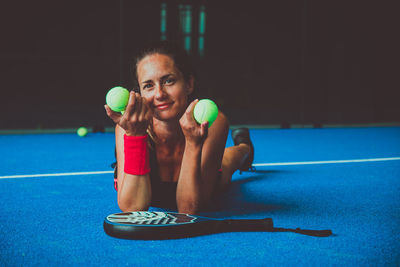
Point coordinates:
[(181, 59)]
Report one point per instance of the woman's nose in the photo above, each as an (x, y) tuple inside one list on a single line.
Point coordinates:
[(160, 92)]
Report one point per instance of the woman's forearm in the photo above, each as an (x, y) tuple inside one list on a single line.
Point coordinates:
[(188, 193), (134, 193)]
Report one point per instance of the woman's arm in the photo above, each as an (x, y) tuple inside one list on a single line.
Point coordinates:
[(134, 191), (201, 161), (211, 158)]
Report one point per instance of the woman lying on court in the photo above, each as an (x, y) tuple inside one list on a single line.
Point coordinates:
[(164, 157)]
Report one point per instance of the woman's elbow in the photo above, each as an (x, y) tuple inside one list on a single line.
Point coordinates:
[(189, 207), (127, 206)]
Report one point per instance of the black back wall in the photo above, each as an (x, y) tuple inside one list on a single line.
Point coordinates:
[(265, 62)]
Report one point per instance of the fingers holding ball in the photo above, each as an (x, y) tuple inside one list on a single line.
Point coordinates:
[(117, 98), (205, 111)]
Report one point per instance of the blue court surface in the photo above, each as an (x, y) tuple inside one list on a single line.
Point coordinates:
[(56, 190)]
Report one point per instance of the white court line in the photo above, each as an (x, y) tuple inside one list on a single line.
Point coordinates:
[(255, 165), (324, 162), (54, 174)]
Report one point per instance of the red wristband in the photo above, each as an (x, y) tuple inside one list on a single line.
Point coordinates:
[(136, 155)]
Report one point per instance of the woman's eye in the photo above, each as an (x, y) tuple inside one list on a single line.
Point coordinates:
[(147, 86), (169, 81)]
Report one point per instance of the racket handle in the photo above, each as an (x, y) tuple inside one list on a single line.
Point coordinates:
[(265, 225), (244, 225), (317, 233)]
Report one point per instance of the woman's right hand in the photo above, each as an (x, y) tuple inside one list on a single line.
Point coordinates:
[(136, 117), (194, 133)]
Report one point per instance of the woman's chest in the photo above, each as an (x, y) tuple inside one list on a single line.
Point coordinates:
[(169, 163)]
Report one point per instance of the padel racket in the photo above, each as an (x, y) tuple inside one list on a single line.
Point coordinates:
[(144, 225)]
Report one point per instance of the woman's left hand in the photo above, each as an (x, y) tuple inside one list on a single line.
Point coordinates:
[(194, 133)]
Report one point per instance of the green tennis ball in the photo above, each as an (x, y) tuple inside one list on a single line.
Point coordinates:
[(205, 110), (82, 131), (117, 98)]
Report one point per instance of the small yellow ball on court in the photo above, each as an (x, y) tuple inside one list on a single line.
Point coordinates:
[(117, 98), (82, 131), (205, 110)]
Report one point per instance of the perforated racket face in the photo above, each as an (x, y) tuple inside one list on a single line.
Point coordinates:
[(144, 218)]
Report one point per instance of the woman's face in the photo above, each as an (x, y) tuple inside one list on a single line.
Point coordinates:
[(163, 86)]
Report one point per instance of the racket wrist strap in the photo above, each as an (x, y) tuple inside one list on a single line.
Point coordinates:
[(136, 155)]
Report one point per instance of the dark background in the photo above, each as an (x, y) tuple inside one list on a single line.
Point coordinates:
[(265, 62)]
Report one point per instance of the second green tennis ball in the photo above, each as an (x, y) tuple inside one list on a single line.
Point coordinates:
[(205, 110), (82, 131), (117, 98)]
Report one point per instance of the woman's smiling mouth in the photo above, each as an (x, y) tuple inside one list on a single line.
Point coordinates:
[(163, 106)]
